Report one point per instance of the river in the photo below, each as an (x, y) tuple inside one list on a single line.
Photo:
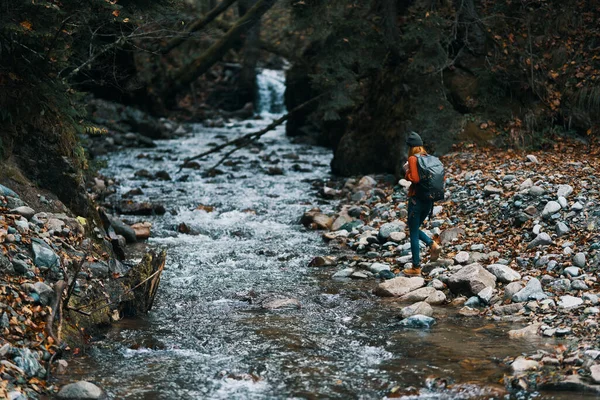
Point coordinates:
[(208, 336)]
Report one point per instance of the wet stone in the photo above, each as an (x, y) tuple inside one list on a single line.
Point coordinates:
[(344, 273), (418, 322)]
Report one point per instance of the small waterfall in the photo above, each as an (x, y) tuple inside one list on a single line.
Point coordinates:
[(271, 89)]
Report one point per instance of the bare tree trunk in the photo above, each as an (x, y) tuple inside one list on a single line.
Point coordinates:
[(389, 13), (251, 53), (198, 25), (203, 63)]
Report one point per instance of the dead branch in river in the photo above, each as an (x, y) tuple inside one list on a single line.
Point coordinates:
[(245, 140)]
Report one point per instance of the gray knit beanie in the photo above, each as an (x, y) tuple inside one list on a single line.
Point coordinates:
[(413, 140)]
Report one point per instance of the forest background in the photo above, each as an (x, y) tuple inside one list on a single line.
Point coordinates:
[(507, 73)]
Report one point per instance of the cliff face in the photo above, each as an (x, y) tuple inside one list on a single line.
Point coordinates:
[(493, 72)]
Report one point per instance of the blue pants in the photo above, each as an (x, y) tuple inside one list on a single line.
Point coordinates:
[(418, 210)]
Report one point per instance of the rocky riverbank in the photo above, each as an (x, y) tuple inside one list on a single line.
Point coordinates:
[(62, 279), (521, 241)]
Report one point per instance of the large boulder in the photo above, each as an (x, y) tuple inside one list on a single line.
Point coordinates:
[(399, 286), (471, 280)]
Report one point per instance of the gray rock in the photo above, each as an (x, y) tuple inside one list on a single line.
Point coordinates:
[(473, 302), (4, 191), (4, 322), (527, 183), (471, 280), (24, 211), (461, 257), (592, 298), (579, 260), (437, 284), (577, 206), (20, 266), (397, 236), (44, 256), (542, 239), (81, 390), (359, 275), (579, 285), (486, 294), (552, 207), (491, 190), (528, 331), (561, 228), (420, 308), (595, 373), (568, 302), (28, 362), (572, 271), (399, 286), (561, 285), (45, 292), (521, 364), (344, 273), (426, 294), (504, 273), (532, 159), (417, 322), (563, 202), (123, 229), (536, 191), (564, 190), (386, 230), (533, 291), (278, 303), (378, 267)]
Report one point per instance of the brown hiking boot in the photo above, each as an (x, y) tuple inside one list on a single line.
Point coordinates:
[(436, 250), (412, 271)]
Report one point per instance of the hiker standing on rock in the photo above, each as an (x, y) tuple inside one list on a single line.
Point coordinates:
[(421, 196)]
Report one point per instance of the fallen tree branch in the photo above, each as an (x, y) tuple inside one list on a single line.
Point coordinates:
[(116, 301), (243, 141), (198, 25), (206, 60), (59, 288)]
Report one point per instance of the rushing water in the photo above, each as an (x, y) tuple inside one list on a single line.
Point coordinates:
[(205, 340)]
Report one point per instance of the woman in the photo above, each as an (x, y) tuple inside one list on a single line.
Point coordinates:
[(418, 208)]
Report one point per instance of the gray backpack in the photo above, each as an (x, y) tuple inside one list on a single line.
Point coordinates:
[(431, 178)]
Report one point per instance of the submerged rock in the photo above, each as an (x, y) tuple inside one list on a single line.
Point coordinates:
[(418, 322)]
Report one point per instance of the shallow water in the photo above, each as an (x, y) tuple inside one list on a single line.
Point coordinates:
[(203, 339)]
